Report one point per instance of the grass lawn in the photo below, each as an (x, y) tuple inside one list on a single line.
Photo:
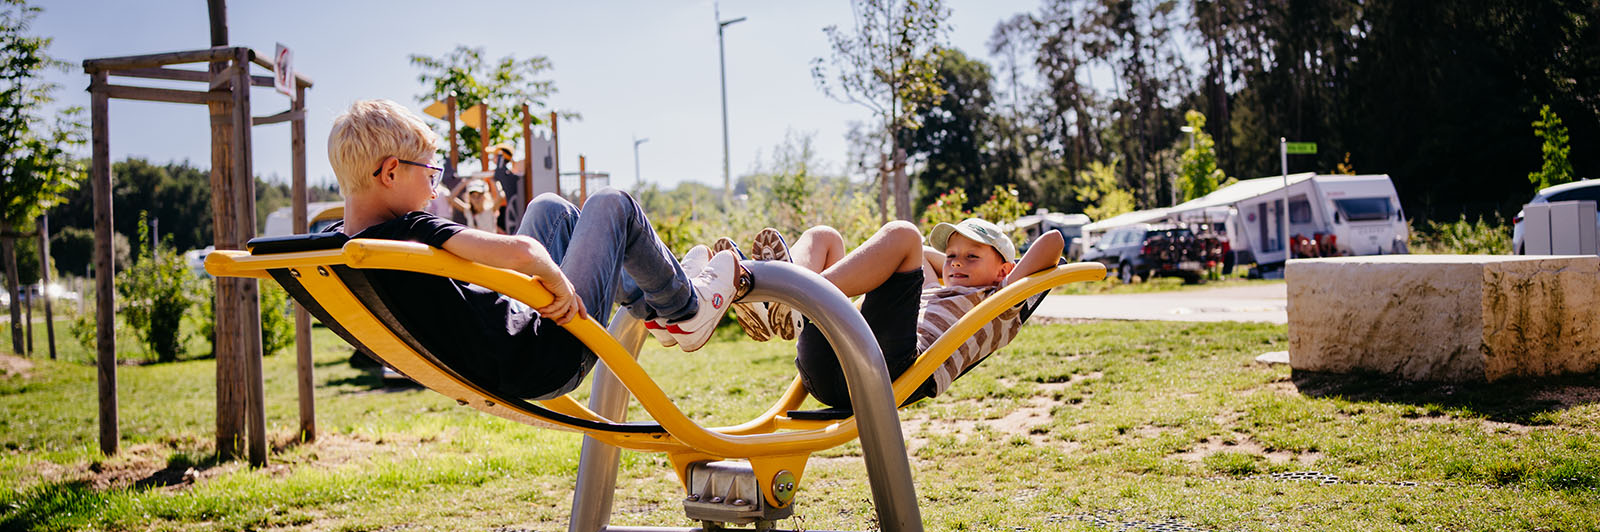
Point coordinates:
[(1083, 426)]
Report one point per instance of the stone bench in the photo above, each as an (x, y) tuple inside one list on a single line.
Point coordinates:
[(1456, 318)]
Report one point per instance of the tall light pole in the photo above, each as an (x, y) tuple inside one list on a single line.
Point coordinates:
[(636, 143), (722, 66)]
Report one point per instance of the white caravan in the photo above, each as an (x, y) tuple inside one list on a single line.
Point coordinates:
[(321, 214), (1362, 213)]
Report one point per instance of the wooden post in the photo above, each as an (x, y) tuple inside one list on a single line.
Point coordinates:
[(455, 150), (483, 135), (248, 301), (555, 149), (527, 156), (583, 182), (104, 270), (27, 320), (44, 273), (302, 319), (13, 284), (230, 399)]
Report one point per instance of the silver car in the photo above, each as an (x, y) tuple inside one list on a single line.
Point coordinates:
[(1586, 190)]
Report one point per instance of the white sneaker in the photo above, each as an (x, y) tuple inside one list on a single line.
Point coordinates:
[(693, 261), (714, 287), (752, 317)]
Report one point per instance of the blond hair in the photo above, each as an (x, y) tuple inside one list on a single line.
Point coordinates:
[(370, 131)]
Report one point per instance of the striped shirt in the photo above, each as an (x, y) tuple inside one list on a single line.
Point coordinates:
[(941, 307)]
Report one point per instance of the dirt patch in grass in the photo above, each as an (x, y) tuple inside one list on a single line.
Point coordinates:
[(1211, 446), (161, 466), (14, 365)]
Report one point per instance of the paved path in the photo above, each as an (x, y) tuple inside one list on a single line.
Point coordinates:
[(1261, 303)]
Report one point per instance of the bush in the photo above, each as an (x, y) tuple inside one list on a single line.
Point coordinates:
[(155, 296), (1485, 236), (277, 317)]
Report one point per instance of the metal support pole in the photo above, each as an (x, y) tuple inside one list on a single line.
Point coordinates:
[(1283, 157), (598, 462), (636, 143)]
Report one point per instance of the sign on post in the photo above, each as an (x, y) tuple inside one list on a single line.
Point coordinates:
[(283, 71), (1302, 148)]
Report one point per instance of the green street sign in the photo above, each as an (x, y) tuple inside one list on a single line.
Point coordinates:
[(1302, 148)]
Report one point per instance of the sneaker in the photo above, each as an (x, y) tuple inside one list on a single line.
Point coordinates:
[(752, 317), (693, 261), (769, 245), (714, 287)]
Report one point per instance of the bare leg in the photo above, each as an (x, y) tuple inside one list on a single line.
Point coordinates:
[(896, 247), (818, 248)]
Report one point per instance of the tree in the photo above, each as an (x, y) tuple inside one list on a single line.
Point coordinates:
[(889, 65), (954, 141), (1556, 168), (36, 168), (1198, 174), (503, 86), (1102, 196)]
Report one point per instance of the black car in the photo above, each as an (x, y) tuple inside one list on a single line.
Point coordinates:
[(1146, 251)]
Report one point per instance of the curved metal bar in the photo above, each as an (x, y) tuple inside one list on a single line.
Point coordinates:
[(865, 374)]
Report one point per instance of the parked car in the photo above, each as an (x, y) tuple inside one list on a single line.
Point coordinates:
[(1586, 190), (1155, 250)]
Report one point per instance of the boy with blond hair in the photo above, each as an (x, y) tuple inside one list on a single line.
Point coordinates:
[(376, 147), (904, 302)]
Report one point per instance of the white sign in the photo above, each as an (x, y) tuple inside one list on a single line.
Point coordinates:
[(283, 71)]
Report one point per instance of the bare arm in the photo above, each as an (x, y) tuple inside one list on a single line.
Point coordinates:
[(497, 193), (1044, 253), (525, 255), (455, 196)]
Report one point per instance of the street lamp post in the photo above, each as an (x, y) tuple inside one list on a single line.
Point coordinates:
[(636, 143), (722, 66)]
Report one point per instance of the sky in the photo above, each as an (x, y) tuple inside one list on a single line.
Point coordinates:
[(632, 69)]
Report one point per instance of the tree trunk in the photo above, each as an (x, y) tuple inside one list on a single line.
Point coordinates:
[(902, 186), (8, 250), (883, 189)]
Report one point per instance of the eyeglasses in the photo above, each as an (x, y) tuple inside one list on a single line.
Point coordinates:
[(433, 179)]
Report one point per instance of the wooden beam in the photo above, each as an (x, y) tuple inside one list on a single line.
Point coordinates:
[(266, 61), (248, 302), (304, 365), (292, 114), (104, 270), (151, 94), (219, 53), (177, 74), (224, 80)]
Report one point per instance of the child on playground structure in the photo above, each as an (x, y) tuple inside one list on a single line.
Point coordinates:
[(905, 304), (498, 342)]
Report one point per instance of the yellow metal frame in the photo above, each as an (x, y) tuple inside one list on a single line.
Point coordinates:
[(772, 441)]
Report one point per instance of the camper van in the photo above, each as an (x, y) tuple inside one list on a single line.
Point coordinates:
[(1328, 215), (321, 215), (1044, 221)]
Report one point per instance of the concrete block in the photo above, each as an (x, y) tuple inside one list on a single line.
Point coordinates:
[(1461, 318)]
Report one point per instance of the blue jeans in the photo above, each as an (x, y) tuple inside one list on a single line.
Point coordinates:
[(620, 260)]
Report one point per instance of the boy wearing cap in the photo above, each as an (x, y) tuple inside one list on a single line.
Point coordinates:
[(904, 303)]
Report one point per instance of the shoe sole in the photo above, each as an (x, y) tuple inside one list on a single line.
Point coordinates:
[(769, 245), (750, 318)]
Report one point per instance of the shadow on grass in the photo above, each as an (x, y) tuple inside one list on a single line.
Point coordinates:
[(1517, 401)]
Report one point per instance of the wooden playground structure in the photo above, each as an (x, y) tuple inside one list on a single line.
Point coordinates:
[(241, 422)]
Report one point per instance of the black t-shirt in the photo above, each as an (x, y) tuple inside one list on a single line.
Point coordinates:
[(479, 333)]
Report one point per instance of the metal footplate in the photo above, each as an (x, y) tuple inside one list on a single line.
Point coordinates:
[(727, 492)]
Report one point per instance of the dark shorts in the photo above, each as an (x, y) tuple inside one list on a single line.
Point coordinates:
[(891, 313)]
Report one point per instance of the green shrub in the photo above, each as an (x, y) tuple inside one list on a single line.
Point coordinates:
[(155, 296), (277, 317), (1485, 236)]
